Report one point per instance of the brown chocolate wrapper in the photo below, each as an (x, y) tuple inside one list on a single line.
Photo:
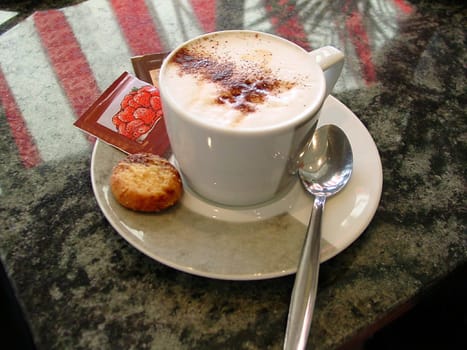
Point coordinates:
[(147, 133), (147, 67)]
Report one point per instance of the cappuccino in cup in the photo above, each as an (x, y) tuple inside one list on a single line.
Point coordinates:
[(241, 80), (238, 106)]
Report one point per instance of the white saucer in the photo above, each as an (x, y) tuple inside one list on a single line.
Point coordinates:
[(250, 243)]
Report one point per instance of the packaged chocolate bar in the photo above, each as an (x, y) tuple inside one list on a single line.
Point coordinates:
[(128, 116), (147, 67)]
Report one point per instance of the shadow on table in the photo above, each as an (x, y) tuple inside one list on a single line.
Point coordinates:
[(438, 322), (14, 330)]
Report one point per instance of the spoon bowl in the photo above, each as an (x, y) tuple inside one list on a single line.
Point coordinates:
[(325, 167), (327, 161)]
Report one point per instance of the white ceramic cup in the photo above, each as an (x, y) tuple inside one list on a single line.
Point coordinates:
[(238, 166)]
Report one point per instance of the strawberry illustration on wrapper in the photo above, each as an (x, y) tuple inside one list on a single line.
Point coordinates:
[(128, 115), (139, 111)]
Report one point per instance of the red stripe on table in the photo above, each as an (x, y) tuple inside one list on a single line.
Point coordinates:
[(404, 6), (359, 39), (138, 26), (27, 149), (68, 61), (286, 22), (205, 11)]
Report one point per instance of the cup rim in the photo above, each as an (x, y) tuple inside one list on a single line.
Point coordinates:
[(312, 109)]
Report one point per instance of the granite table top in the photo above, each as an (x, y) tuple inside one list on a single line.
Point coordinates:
[(82, 286)]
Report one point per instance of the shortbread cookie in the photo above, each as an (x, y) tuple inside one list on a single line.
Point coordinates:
[(146, 182)]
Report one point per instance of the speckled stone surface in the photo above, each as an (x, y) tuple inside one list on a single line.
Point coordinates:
[(82, 286)]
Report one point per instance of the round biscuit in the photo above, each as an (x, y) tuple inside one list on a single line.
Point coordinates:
[(146, 182)]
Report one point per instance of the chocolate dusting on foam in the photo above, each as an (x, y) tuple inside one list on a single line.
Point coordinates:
[(242, 87)]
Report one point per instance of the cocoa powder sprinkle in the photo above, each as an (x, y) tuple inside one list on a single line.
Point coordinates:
[(241, 87)]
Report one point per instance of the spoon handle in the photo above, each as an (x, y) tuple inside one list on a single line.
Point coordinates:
[(306, 283)]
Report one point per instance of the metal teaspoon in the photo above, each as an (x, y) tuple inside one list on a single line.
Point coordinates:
[(325, 168)]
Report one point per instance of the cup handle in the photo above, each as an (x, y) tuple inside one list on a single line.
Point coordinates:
[(331, 61)]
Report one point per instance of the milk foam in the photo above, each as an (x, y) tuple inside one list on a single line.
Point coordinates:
[(242, 80)]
